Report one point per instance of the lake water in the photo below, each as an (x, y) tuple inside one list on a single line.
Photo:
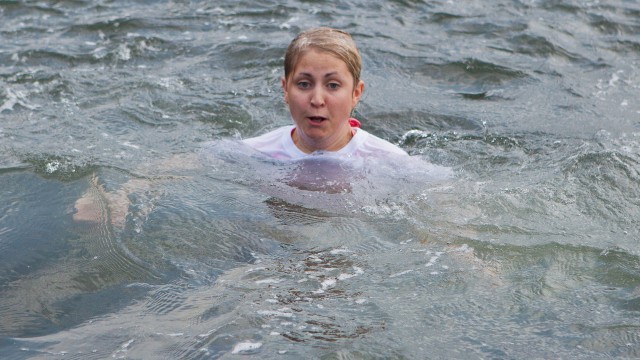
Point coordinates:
[(513, 234)]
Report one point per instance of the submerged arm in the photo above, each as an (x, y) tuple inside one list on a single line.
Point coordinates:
[(97, 203)]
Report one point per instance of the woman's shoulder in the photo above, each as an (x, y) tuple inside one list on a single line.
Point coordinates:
[(369, 144), (276, 144), (269, 137)]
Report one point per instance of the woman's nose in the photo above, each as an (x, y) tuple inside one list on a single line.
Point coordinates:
[(317, 97)]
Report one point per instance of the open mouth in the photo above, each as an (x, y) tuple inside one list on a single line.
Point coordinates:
[(317, 119)]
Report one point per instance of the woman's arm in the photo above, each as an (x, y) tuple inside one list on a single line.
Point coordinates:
[(98, 204)]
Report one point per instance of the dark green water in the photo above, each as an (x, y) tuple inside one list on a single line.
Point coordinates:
[(529, 251)]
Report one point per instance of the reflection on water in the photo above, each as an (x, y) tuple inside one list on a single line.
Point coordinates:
[(133, 225)]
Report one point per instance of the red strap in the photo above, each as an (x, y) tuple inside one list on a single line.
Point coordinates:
[(355, 123)]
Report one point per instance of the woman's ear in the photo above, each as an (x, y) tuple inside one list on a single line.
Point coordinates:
[(284, 89), (357, 93)]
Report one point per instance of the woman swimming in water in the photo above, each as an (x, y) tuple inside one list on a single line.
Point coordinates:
[(322, 87)]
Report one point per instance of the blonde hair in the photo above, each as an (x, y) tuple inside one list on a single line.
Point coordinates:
[(333, 41)]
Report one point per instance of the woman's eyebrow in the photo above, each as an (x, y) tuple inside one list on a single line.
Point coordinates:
[(306, 74)]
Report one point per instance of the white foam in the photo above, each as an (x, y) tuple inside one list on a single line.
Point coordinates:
[(128, 144), (99, 52), (432, 261), (15, 97), (52, 167), (464, 248), (246, 346), (268, 281), (124, 53), (287, 24), (400, 273), (344, 276), (273, 313), (328, 283), (340, 251), (123, 349)]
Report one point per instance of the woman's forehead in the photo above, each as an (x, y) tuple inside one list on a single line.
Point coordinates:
[(314, 61)]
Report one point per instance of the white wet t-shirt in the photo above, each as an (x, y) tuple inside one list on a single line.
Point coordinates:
[(279, 144)]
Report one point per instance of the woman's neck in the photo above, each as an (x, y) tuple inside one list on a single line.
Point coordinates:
[(308, 145)]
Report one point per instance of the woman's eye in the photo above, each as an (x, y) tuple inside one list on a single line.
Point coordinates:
[(333, 86), (304, 84)]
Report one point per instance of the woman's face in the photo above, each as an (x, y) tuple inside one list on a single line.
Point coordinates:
[(321, 94)]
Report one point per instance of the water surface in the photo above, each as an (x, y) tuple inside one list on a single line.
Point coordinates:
[(513, 233)]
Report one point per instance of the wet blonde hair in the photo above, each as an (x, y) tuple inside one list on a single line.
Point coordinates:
[(333, 41)]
